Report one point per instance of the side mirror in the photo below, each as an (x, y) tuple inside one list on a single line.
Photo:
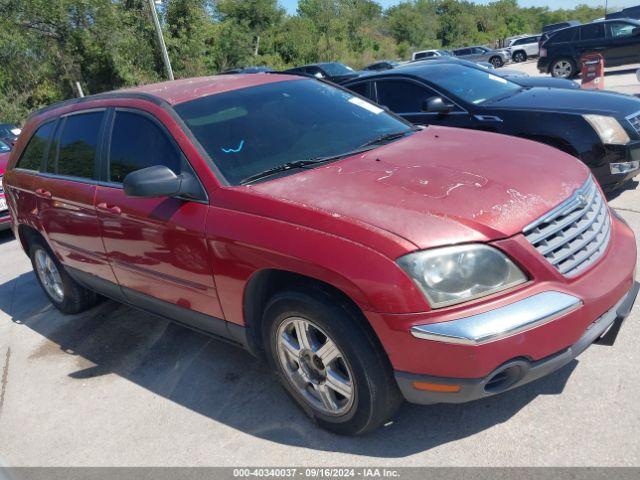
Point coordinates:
[(436, 105), (152, 182)]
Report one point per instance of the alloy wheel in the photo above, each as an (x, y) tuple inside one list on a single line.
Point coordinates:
[(562, 69), (315, 367), (49, 275)]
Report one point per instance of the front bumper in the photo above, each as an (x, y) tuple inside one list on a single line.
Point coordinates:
[(618, 165), (424, 389)]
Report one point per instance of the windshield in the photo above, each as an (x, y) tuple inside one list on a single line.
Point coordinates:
[(336, 68), (7, 130), (472, 84), (254, 129)]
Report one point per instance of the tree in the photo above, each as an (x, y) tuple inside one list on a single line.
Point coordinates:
[(257, 15)]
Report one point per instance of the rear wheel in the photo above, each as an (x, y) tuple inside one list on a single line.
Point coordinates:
[(563, 68), (63, 291), (496, 62), (519, 56), (329, 363)]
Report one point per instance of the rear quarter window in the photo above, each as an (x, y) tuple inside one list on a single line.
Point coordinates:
[(33, 154), (563, 36)]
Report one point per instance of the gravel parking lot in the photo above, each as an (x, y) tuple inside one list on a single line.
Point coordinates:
[(619, 79), (117, 386)]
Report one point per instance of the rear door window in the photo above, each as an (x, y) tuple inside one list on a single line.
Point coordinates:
[(137, 142), (78, 145), (593, 31), (32, 156)]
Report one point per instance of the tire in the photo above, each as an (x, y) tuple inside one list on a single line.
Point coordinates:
[(496, 62), (63, 291), (520, 56), (563, 68), (367, 395)]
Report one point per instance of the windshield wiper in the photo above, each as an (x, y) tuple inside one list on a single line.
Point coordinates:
[(387, 137), (302, 164)]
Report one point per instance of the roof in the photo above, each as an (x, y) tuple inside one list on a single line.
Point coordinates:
[(419, 68), (186, 89)]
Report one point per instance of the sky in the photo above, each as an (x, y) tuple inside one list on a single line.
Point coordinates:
[(291, 5)]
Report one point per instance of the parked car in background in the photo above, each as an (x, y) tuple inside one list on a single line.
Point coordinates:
[(524, 48), (617, 40), (333, 71), (324, 243), (629, 12), (382, 65), (5, 220), (497, 58), (9, 133), (427, 54), (601, 129), (249, 69), (558, 26)]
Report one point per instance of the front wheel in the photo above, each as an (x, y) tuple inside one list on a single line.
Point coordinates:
[(563, 68), (329, 363), (496, 62)]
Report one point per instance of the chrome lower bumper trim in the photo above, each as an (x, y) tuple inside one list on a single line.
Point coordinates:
[(502, 322)]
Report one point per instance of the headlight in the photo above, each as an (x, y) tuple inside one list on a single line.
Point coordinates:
[(609, 129), (453, 275)]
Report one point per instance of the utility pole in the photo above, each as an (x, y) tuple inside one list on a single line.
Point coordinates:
[(606, 8), (163, 47)]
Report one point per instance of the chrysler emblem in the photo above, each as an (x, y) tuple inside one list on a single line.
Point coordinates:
[(582, 200)]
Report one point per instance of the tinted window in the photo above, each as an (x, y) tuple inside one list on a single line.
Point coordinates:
[(462, 51), (402, 96), (424, 55), (32, 155), (621, 29), (593, 31), (4, 147), (361, 89), (250, 130), (138, 142), (566, 35), (78, 145)]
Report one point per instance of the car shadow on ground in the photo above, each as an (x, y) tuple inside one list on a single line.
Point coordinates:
[(630, 185), (227, 385), (6, 236)]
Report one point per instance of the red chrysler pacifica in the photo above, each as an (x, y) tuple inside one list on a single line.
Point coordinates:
[(366, 259)]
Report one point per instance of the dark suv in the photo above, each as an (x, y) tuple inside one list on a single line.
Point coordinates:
[(617, 40)]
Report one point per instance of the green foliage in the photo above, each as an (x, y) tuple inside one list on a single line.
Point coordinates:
[(47, 46)]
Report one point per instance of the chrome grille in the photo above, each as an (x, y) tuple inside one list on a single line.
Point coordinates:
[(634, 120), (575, 234)]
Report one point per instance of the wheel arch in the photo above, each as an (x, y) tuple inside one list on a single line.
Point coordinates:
[(27, 235), (264, 284)]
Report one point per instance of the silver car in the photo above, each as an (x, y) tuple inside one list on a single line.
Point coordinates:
[(497, 58)]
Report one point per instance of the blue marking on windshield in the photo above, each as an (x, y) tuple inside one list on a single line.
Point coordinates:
[(233, 150)]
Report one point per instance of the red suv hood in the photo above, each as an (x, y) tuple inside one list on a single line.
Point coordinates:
[(439, 186)]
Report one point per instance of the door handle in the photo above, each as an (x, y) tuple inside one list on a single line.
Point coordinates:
[(42, 193), (103, 207)]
